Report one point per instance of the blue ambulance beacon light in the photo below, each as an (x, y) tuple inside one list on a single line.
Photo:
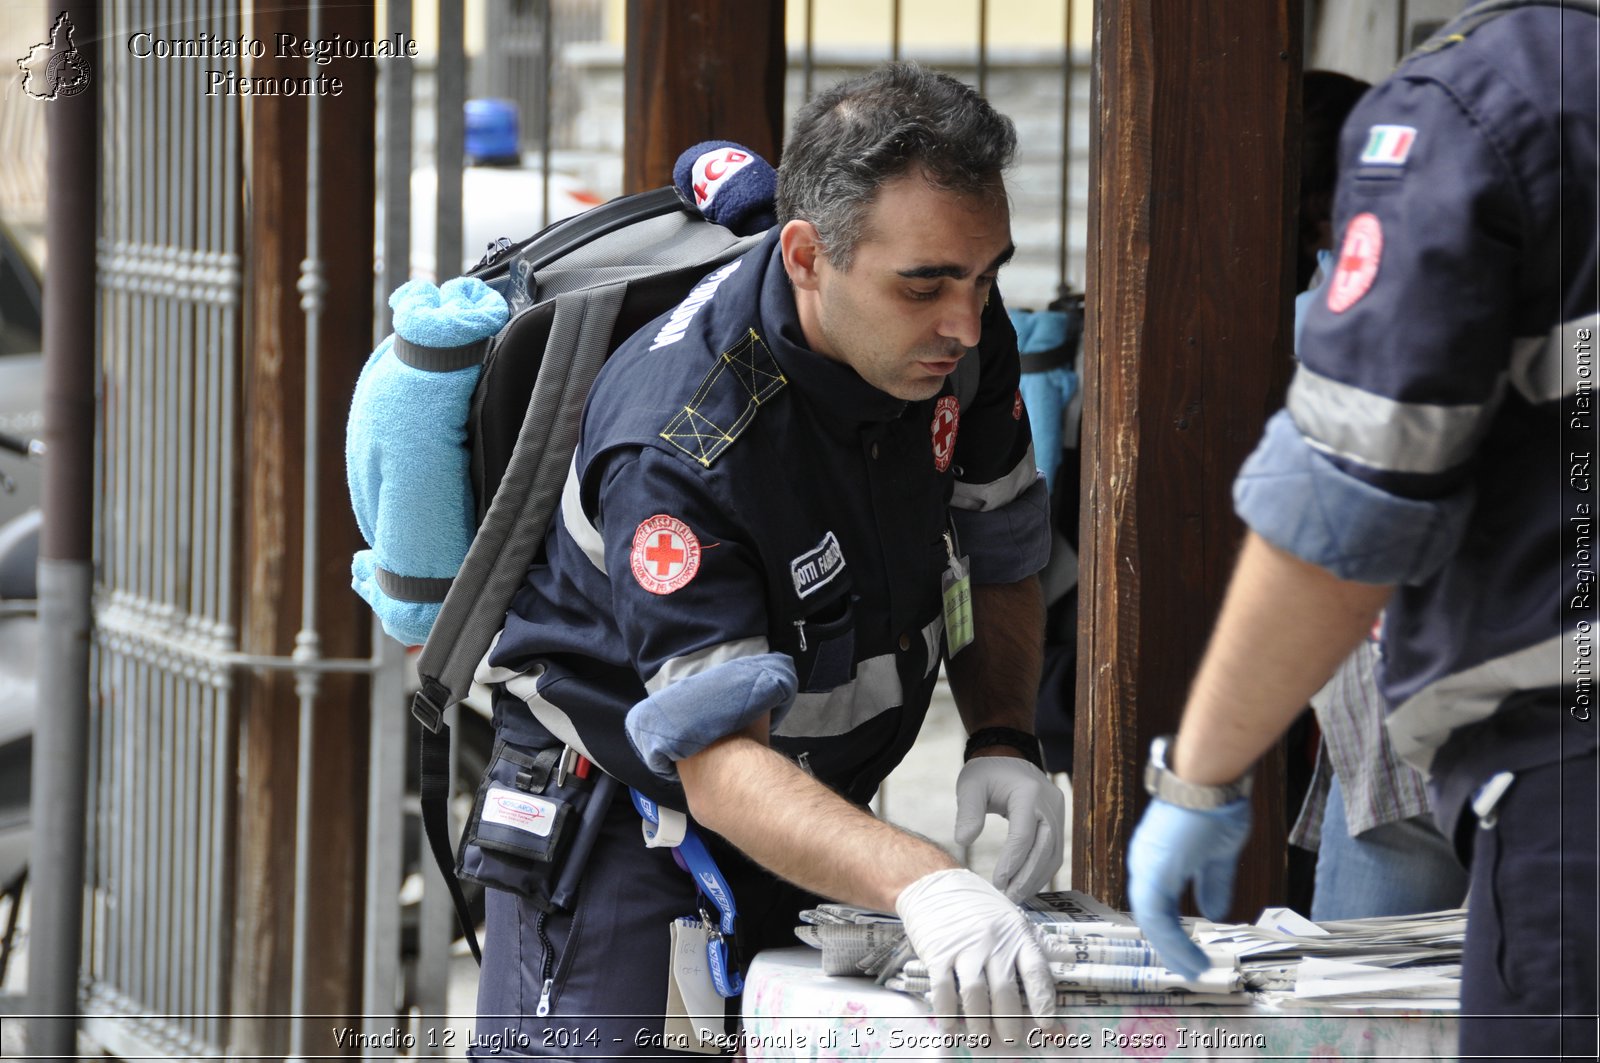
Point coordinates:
[(491, 136)]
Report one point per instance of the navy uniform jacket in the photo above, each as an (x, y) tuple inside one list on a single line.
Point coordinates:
[(749, 527), (1440, 430)]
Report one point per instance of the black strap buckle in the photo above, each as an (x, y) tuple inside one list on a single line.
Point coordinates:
[(429, 704)]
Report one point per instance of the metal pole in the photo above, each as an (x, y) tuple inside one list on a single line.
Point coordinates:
[(307, 643), (1063, 266), (547, 29), (983, 47), (437, 916), (59, 796), (386, 778), (809, 62), (450, 95)]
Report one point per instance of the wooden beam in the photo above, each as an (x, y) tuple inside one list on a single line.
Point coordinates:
[(699, 70), (274, 398), (1187, 351)]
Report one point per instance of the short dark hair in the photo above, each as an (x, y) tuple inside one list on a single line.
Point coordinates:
[(851, 139)]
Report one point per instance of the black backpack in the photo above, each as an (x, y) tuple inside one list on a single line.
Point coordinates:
[(576, 291)]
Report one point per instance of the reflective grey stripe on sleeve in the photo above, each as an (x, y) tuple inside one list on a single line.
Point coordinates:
[(1295, 498), (1557, 364), (586, 535), (997, 493), (679, 668), (1381, 433), (1010, 543), (875, 689), (1422, 723)]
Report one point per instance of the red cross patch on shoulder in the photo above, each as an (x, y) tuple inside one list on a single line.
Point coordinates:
[(946, 419), (1358, 262), (666, 554), (1016, 406)]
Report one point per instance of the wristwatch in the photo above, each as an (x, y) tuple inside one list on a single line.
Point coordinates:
[(1160, 782)]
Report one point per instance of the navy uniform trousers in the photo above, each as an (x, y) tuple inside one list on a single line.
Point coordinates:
[(1528, 978), (605, 959)]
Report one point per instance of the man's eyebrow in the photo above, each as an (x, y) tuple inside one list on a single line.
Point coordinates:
[(952, 270)]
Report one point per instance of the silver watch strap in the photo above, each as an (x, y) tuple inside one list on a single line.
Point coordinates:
[(1160, 782)]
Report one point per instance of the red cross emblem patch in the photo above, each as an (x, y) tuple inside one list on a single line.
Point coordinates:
[(946, 419), (666, 554), (1358, 262), (1016, 406)]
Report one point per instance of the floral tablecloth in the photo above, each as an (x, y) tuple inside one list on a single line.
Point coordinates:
[(792, 1011)]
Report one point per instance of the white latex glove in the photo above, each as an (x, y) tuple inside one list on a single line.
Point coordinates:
[(1036, 816), (977, 946)]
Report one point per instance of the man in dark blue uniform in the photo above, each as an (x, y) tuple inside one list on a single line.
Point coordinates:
[(741, 609), (1435, 456)]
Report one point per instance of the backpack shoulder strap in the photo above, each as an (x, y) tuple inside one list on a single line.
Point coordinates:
[(527, 497)]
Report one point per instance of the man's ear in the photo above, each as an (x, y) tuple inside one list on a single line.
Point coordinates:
[(801, 250)]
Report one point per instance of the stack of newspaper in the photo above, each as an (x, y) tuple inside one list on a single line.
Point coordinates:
[(1283, 959), (1411, 961), (1111, 963)]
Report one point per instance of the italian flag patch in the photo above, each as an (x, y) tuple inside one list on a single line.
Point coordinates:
[(1388, 145)]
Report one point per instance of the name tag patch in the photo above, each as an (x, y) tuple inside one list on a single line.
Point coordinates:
[(527, 812), (816, 567)]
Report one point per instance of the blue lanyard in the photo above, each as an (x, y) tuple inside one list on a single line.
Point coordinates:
[(713, 888)]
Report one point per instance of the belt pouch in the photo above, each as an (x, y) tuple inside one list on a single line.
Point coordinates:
[(522, 822)]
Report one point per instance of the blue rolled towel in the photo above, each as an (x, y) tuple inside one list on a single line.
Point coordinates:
[(406, 451), (1047, 346)]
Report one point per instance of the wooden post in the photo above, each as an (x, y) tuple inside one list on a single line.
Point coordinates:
[(274, 398), (1188, 345), (699, 70)]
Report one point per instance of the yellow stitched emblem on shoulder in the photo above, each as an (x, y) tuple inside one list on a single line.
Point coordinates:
[(755, 371)]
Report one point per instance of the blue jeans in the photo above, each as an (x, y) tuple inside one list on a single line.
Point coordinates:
[(1399, 868)]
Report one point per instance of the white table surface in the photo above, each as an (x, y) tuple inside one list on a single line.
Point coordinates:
[(793, 1011)]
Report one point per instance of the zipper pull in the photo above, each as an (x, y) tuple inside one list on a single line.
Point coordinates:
[(800, 626), (544, 998)]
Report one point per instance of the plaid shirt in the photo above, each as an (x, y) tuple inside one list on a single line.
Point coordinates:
[(1378, 786)]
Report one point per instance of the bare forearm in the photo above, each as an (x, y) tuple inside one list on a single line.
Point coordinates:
[(1285, 626), (995, 680), (799, 829)]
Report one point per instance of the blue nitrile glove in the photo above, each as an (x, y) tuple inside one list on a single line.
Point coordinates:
[(1172, 846)]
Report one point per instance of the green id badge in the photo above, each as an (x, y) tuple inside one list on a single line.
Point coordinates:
[(957, 583)]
